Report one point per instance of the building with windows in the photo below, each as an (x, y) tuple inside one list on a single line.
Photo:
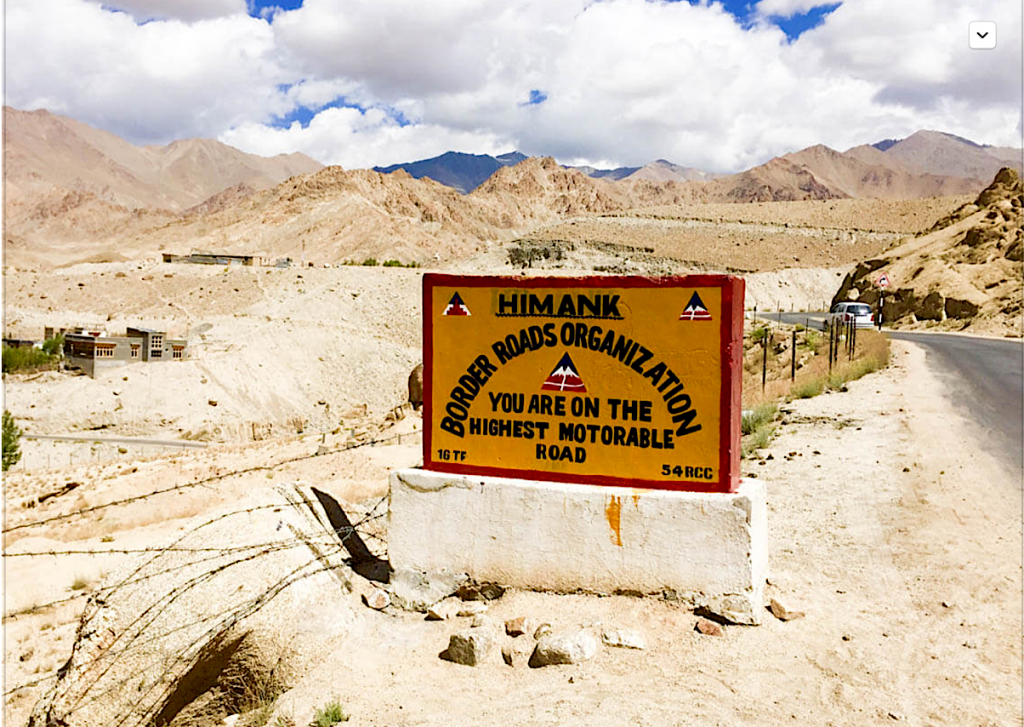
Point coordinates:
[(212, 258), (94, 354)]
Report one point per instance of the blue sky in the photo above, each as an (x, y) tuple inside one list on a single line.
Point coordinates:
[(257, 7)]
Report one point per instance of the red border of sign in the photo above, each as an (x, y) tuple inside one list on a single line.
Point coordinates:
[(731, 356)]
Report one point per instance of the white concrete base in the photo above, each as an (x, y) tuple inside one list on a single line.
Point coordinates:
[(707, 549)]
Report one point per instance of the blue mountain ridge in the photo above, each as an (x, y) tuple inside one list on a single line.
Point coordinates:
[(465, 172)]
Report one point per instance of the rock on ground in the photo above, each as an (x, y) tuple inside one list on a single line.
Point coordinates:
[(708, 628), (518, 652), (416, 386), (443, 610), (570, 647), (416, 590), (469, 647), (378, 599), (784, 614), (472, 608), (519, 626), (623, 638), (734, 608)]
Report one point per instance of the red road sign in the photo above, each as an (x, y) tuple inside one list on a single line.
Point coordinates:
[(883, 281)]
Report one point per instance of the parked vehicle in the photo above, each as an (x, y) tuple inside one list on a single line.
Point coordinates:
[(846, 311)]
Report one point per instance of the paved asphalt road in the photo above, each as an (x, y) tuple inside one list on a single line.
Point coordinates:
[(985, 379), (118, 440)]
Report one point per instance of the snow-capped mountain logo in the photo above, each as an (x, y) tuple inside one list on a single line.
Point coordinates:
[(564, 378), (695, 310), (456, 307)]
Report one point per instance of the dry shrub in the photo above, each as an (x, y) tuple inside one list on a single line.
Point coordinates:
[(813, 377)]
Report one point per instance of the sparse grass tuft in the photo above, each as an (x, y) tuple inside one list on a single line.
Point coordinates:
[(807, 389), (758, 439), (259, 716), (812, 339), (759, 334), (761, 414), (252, 693), (329, 715)]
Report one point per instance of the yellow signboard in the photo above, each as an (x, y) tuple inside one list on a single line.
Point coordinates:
[(603, 380)]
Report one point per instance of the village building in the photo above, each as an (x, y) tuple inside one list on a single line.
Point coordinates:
[(210, 258), (94, 354)]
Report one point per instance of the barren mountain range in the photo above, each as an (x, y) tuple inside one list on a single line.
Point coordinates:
[(43, 151), (463, 172), (75, 193)]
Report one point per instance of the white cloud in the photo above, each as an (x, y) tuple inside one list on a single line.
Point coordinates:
[(788, 8), (626, 81), (356, 139), (142, 10), (153, 82)]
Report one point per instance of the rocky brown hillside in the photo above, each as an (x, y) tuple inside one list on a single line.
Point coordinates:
[(964, 273), (77, 194), (43, 151), (329, 216)]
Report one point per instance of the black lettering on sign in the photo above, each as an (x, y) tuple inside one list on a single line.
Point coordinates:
[(556, 453), (566, 305), (616, 436), (470, 384), (513, 428), (533, 338)]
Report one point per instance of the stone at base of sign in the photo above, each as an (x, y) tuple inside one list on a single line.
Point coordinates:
[(564, 537)]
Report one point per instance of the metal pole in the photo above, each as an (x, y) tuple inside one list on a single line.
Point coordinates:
[(831, 335), (764, 362), (792, 361)]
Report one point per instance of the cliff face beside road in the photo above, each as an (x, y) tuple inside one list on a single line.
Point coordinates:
[(964, 273)]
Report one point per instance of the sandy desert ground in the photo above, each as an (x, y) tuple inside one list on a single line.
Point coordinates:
[(910, 621), (907, 622)]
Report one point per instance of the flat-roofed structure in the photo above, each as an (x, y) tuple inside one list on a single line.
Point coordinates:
[(95, 354), (211, 258)]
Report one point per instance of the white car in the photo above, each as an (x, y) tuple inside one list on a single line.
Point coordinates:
[(860, 313)]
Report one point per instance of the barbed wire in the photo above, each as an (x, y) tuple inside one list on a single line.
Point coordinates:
[(273, 545), (203, 482), (252, 550), (334, 538), (233, 614)]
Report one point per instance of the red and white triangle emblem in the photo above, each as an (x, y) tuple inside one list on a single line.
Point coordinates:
[(695, 310), (564, 378), (456, 307)]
